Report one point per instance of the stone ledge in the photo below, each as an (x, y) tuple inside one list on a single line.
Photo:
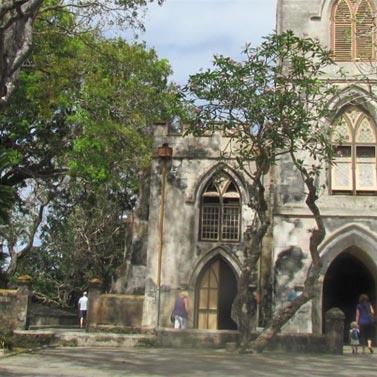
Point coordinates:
[(53, 337), (193, 338), (114, 329)]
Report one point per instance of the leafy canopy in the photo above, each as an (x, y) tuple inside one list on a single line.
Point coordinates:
[(78, 128), (84, 106), (273, 102)]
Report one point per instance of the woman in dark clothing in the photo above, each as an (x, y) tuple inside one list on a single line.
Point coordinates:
[(364, 318)]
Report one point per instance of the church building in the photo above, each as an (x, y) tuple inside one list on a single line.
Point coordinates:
[(196, 205)]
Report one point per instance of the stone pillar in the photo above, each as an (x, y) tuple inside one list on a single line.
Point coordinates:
[(95, 286), (24, 293), (334, 328)]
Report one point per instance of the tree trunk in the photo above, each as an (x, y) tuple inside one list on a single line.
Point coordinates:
[(286, 312), (16, 31), (14, 254), (246, 299)]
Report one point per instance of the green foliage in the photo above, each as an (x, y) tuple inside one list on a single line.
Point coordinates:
[(83, 238), (84, 106), (79, 127), (6, 193), (273, 102), (272, 105)]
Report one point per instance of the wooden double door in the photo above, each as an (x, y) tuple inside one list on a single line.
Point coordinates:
[(216, 291)]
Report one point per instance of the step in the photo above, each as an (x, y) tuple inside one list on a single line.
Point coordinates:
[(80, 338)]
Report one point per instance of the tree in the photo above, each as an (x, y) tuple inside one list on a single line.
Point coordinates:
[(82, 98), (272, 105), (77, 94), (17, 18), (6, 192), (17, 236), (82, 112), (83, 238)]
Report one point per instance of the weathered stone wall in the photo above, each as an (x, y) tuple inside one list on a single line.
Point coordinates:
[(297, 342), (14, 304), (193, 163), (196, 338), (313, 19), (351, 221), (120, 310), (9, 307), (113, 310), (41, 316)]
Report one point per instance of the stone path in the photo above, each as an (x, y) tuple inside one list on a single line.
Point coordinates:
[(157, 362)]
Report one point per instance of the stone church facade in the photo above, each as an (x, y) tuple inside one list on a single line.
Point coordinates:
[(197, 212)]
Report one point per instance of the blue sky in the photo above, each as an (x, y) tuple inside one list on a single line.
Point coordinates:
[(189, 32)]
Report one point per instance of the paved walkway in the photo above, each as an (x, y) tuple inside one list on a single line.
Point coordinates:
[(155, 362)]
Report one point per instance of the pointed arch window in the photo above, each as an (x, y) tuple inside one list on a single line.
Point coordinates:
[(355, 140), (220, 216), (353, 30)]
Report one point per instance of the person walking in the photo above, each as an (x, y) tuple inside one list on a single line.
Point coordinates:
[(181, 310), (354, 337), (83, 307), (364, 319)]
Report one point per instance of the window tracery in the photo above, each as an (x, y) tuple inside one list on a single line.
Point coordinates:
[(355, 162), (353, 30), (220, 210)]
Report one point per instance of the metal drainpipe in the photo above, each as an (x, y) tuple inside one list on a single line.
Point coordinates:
[(165, 153)]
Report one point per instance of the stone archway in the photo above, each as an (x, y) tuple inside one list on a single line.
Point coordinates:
[(216, 290), (351, 243), (347, 277)]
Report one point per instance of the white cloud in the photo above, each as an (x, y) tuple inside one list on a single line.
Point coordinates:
[(190, 32)]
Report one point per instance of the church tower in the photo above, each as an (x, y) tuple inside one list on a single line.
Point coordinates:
[(348, 201)]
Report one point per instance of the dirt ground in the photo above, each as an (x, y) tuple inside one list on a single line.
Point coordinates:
[(158, 362)]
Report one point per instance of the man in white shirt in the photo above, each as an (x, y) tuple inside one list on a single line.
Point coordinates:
[(83, 307)]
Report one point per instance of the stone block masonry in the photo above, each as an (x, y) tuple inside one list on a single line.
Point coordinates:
[(14, 304)]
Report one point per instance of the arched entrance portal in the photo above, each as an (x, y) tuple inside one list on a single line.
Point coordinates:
[(347, 278), (215, 293)]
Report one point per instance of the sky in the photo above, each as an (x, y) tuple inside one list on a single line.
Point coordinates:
[(189, 32)]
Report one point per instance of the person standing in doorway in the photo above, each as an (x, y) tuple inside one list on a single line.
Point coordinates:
[(364, 319), (181, 310), (83, 307), (354, 337)]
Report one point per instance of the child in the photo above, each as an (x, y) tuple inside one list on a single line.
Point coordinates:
[(354, 337)]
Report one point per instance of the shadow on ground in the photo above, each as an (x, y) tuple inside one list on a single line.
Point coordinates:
[(157, 362)]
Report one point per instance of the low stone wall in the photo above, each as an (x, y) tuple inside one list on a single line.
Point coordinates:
[(14, 304), (31, 339), (192, 338), (299, 343), (41, 316), (111, 329), (115, 311), (8, 307), (38, 338), (331, 342), (296, 343)]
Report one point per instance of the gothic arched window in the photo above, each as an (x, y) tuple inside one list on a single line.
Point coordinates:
[(220, 214), (355, 140), (353, 30)]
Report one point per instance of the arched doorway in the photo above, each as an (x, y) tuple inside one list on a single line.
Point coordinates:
[(346, 279), (215, 293)]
